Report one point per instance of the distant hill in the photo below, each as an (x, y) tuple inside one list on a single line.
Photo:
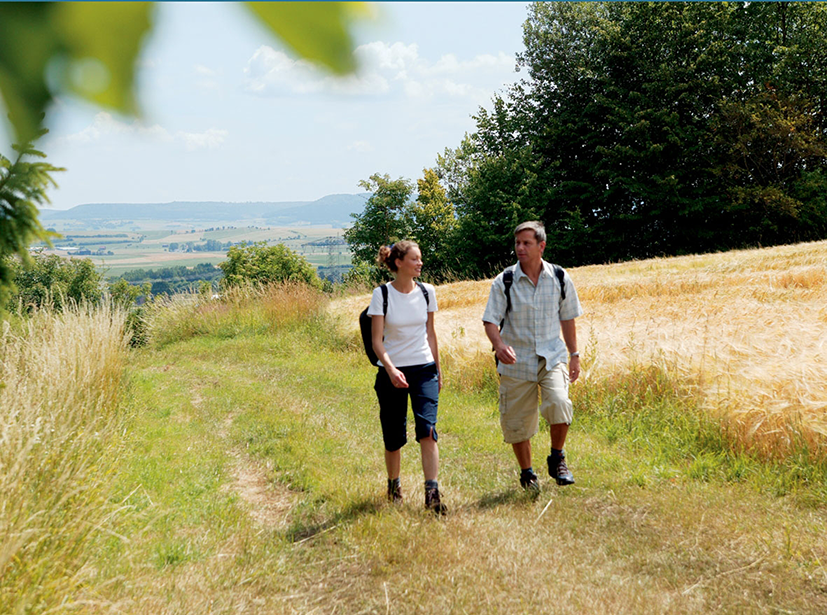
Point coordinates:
[(333, 209)]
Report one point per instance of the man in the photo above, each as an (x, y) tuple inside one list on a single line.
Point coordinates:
[(530, 353)]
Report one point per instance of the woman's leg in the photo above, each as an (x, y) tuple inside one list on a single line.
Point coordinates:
[(393, 462), (430, 457)]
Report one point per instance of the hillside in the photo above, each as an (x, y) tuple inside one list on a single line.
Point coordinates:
[(234, 465), (333, 209)]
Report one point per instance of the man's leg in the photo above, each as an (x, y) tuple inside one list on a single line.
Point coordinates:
[(522, 450), (557, 410), (519, 420), (558, 435)]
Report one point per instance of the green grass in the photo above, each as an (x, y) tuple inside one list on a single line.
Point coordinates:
[(254, 482)]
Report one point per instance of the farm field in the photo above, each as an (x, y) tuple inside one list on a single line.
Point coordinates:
[(118, 250), (234, 464)]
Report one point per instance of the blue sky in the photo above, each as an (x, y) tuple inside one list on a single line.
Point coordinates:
[(229, 116)]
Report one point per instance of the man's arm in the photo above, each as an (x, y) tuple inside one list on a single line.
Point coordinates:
[(570, 337)]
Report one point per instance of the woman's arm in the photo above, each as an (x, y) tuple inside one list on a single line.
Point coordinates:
[(377, 333), (434, 346)]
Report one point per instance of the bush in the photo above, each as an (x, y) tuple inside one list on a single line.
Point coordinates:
[(55, 281), (259, 263)]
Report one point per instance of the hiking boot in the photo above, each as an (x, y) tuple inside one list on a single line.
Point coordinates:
[(433, 502), (394, 492), (558, 469), (530, 483)]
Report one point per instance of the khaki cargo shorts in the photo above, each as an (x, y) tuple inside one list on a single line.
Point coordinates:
[(519, 416)]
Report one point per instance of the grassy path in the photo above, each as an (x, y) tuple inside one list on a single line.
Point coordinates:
[(255, 484)]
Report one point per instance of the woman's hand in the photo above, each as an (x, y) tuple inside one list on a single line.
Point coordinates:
[(397, 378)]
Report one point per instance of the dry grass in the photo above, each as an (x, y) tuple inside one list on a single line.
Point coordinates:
[(240, 308), (58, 440), (744, 330)]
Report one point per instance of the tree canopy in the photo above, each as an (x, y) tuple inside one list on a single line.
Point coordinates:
[(647, 129), (391, 215)]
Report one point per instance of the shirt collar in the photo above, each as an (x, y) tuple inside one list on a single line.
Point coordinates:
[(518, 271)]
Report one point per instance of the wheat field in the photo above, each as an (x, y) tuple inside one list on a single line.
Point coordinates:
[(744, 332)]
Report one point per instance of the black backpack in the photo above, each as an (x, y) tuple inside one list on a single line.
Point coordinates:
[(365, 322), (508, 280)]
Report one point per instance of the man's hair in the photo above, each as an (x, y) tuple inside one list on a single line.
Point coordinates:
[(532, 225)]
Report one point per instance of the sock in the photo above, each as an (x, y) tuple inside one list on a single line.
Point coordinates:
[(393, 485), (557, 452), (431, 484), (527, 473)]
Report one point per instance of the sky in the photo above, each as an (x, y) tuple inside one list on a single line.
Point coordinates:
[(229, 115)]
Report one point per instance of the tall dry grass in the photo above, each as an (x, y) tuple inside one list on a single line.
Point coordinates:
[(745, 332), (237, 309), (59, 441)]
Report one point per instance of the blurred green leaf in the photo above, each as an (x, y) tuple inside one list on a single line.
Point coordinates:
[(317, 31), (90, 48), (27, 42), (108, 33)]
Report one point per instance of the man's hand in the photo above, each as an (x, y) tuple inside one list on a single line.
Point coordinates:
[(574, 368), (506, 354)]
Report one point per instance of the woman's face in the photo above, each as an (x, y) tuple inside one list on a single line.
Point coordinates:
[(411, 264)]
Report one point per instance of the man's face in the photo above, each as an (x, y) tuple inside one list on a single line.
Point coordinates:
[(527, 249)]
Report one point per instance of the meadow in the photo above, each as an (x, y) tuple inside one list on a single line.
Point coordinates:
[(234, 464)]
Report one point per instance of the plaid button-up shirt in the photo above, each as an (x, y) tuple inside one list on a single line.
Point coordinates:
[(532, 326)]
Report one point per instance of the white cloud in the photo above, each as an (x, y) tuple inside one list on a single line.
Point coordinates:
[(385, 69), (105, 125), (203, 71), (361, 147), (211, 139)]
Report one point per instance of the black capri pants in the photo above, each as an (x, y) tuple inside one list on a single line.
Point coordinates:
[(423, 389)]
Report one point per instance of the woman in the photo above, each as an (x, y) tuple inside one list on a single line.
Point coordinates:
[(404, 339)]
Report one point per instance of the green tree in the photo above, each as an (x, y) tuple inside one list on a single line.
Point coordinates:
[(23, 185), (51, 281), (259, 263), (384, 220), (628, 135), (124, 294), (433, 225)]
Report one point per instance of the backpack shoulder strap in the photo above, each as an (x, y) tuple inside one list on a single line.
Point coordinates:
[(508, 280), (560, 274), (384, 288), (425, 292)]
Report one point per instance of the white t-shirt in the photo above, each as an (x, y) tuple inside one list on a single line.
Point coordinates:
[(406, 333)]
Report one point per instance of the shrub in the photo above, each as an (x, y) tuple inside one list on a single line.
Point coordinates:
[(259, 263)]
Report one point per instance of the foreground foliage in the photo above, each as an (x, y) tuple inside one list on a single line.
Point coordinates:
[(23, 185), (60, 436)]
